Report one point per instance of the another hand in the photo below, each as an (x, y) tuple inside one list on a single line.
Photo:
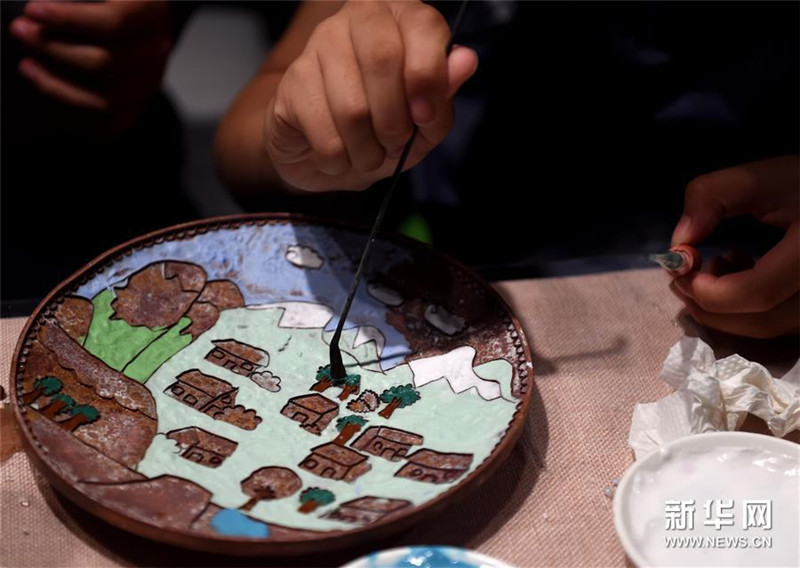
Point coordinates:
[(761, 301), (99, 62), (345, 108)]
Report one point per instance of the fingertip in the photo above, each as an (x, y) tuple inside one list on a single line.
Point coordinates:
[(24, 29), (38, 10), (29, 68), (462, 63)]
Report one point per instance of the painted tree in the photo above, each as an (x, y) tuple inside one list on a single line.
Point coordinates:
[(325, 380), (314, 497), (81, 414), (59, 403), (47, 386), (352, 385), (398, 397), (269, 483), (347, 427)]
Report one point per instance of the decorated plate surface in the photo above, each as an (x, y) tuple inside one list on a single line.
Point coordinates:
[(178, 386)]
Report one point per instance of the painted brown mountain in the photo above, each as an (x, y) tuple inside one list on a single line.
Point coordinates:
[(127, 411), (74, 315), (160, 294)]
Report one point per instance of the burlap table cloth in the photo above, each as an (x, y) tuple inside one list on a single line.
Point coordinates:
[(598, 343)]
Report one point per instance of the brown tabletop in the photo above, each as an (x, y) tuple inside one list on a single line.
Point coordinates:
[(598, 343)]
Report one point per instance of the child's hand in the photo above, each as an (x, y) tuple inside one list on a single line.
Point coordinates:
[(100, 62), (344, 109), (761, 301)]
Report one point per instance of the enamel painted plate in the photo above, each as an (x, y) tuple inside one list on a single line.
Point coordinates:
[(178, 386)]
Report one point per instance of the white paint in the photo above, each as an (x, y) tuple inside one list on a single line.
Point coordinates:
[(384, 294), (460, 424), (455, 367), (727, 466), (444, 321), (299, 315), (367, 333), (304, 257)]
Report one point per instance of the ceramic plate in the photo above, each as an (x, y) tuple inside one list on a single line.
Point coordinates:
[(178, 385)]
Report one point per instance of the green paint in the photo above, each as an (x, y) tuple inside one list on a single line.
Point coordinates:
[(416, 227), (113, 340), (321, 496), (352, 380), (462, 423), (68, 401), (351, 419), (159, 351), (48, 385), (137, 351), (87, 411)]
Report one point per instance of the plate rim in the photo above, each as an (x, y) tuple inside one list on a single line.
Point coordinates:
[(332, 540)]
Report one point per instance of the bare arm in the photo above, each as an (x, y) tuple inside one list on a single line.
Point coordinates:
[(241, 155)]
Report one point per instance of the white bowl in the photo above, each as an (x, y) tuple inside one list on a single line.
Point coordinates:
[(701, 443)]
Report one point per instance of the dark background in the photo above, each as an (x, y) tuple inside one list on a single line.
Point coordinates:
[(573, 145)]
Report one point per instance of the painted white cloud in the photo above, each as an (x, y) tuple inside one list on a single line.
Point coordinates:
[(267, 380), (304, 257), (384, 294), (455, 367), (301, 315), (444, 321)]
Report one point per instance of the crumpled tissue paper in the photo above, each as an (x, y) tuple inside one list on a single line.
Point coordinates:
[(714, 396)]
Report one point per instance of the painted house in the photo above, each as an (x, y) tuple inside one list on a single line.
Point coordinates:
[(388, 443), (435, 467), (333, 461), (237, 357), (202, 447), (367, 509), (207, 394), (313, 411)]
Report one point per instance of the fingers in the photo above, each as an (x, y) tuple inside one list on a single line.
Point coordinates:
[(757, 188), (428, 71), (302, 122), (89, 20), (379, 51), (59, 89), (783, 319), (461, 65), (344, 90), (772, 280), (425, 35), (87, 58)]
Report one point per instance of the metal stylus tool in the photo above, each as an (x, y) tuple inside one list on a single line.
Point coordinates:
[(337, 366)]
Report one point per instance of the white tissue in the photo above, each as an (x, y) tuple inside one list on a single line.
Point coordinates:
[(714, 396)]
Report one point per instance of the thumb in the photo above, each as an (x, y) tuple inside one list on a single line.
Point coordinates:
[(712, 197), (461, 65)]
